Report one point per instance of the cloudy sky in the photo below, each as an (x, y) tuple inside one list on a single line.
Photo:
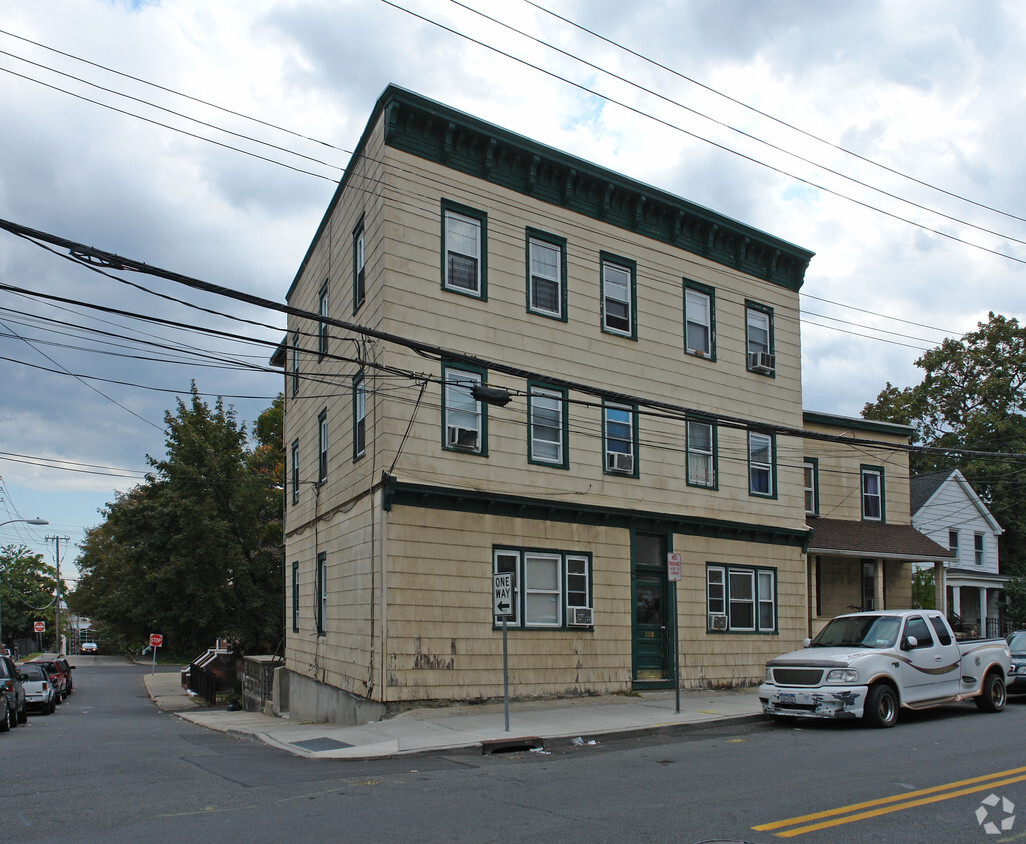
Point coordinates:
[(206, 139)]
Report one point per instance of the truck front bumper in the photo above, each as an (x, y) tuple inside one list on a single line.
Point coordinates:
[(819, 702)]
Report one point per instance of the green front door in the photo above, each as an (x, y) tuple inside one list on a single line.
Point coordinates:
[(652, 633)]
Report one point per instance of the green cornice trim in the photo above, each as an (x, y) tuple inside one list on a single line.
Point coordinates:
[(438, 133), (497, 504), (850, 422)]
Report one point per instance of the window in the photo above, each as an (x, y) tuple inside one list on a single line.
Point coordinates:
[(295, 363), (942, 633), (359, 417), (701, 451), (618, 295), (463, 239), (322, 447), (295, 472), (322, 326), (698, 320), (295, 597), (322, 591), (550, 588), (547, 428), (868, 585), (465, 417), (978, 547), (620, 439), (359, 288), (811, 472), (546, 274), (953, 542), (741, 599), (759, 338), (915, 626), (760, 464), (872, 493)]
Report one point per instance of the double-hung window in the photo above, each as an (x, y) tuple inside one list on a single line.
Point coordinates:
[(359, 416), (322, 326), (295, 363), (322, 447), (760, 464), (953, 542), (464, 249), (698, 320), (618, 295), (295, 471), (620, 439), (466, 418), (546, 274), (550, 588), (701, 454), (811, 483), (295, 597), (978, 548), (741, 599), (359, 276), (547, 427), (872, 494), (322, 592), (759, 338)]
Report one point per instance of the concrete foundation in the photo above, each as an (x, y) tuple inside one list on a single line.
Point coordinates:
[(302, 699)]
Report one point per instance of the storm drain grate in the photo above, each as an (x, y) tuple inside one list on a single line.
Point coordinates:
[(318, 744), (517, 745)]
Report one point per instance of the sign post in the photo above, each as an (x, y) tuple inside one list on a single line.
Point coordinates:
[(156, 640), (502, 606), (40, 628), (675, 572)]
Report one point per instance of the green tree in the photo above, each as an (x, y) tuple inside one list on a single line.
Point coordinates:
[(27, 592), (924, 595), (194, 551)]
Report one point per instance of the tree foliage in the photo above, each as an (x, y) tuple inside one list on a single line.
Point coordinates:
[(194, 552), (973, 398), (924, 595), (27, 592)]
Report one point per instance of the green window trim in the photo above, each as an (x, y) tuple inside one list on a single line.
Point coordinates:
[(713, 456), (761, 466), (612, 447), (295, 597), (295, 363), (463, 214), (460, 433), (359, 266), (542, 390), (295, 471), (731, 591), (558, 243), (573, 584), (322, 592), (757, 346), (813, 464), (359, 416), (878, 472), (703, 290), (611, 318), (322, 326), (322, 446)]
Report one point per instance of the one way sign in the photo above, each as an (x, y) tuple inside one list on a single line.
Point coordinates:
[(502, 595)]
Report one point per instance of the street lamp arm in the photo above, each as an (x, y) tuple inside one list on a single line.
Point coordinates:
[(36, 522)]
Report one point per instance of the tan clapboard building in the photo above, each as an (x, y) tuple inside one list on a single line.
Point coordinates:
[(649, 351)]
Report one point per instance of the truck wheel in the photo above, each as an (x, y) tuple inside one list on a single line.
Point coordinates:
[(881, 706), (992, 695)]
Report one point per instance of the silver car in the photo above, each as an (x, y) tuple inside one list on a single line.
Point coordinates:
[(39, 692)]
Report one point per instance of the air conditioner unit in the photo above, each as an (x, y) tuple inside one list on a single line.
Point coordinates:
[(762, 362), (717, 622), (462, 437), (580, 617), (617, 461)]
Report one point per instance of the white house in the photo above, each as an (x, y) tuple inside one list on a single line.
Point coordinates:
[(946, 509)]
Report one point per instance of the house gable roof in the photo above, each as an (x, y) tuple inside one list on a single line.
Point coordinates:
[(846, 538), (922, 488)]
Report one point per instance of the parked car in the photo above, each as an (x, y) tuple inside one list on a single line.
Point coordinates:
[(56, 675), (12, 689), (7, 717), (65, 667), (1017, 673), (39, 691), (89, 647)]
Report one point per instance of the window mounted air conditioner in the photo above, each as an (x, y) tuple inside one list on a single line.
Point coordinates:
[(462, 437), (618, 462), (762, 362), (580, 617), (717, 622)]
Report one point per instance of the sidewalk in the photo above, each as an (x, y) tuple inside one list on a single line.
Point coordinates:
[(531, 723)]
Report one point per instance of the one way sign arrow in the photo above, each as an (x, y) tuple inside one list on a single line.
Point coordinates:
[(502, 593)]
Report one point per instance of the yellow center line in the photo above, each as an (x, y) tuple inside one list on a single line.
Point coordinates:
[(906, 801)]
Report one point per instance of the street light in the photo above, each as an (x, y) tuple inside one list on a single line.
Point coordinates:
[(37, 522)]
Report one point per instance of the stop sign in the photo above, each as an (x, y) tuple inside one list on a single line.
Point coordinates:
[(156, 640), (39, 626)]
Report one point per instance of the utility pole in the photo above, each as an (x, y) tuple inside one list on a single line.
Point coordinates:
[(57, 603)]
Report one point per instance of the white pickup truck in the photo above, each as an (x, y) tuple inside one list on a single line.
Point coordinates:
[(870, 664)]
